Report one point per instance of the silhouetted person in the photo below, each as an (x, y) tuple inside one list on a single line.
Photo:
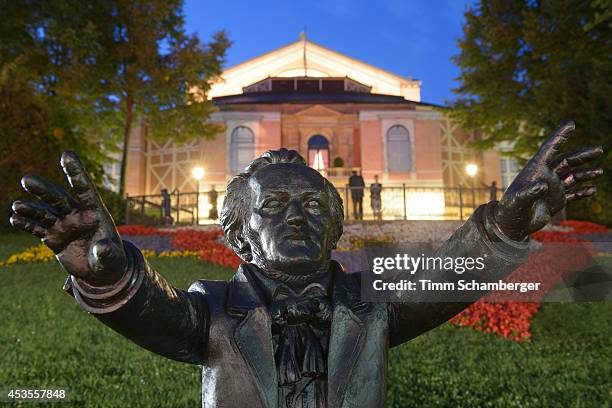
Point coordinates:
[(356, 184), (375, 198), (212, 197), (166, 207), (493, 191)]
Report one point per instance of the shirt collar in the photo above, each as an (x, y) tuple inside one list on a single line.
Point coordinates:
[(271, 287)]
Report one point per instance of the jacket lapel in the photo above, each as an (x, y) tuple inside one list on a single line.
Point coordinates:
[(347, 334), (253, 335)]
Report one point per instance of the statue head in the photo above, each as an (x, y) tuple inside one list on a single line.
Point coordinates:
[(282, 215)]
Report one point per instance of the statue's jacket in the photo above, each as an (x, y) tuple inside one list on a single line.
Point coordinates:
[(225, 327)]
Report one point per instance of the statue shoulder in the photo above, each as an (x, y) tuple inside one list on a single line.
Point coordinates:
[(209, 288)]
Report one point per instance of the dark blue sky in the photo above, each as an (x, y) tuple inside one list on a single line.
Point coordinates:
[(406, 37)]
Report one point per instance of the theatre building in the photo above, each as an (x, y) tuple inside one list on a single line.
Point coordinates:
[(342, 115)]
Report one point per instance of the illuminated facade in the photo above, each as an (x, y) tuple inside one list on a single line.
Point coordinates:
[(339, 113)]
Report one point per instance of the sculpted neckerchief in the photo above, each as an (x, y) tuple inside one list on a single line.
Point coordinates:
[(299, 352), (300, 327)]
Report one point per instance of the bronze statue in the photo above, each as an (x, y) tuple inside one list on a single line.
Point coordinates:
[(290, 329)]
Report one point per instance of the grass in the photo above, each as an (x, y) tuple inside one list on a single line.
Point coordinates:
[(47, 341), (568, 362), (12, 242)]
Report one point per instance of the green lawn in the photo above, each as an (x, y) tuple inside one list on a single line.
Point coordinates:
[(12, 242), (47, 341)]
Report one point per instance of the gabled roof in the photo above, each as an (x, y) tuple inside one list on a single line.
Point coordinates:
[(288, 61)]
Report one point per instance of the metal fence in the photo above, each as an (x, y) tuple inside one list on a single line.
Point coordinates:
[(401, 202), (184, 209), (398, 202)]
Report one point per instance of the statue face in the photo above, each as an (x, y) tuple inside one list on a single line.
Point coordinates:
[(290, 227)]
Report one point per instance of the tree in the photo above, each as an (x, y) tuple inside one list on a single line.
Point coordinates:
[(111, 62), (157, 65), (527, 65), (31, 132)]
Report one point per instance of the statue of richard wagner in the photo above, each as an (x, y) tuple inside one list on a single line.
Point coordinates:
[(290, 328)]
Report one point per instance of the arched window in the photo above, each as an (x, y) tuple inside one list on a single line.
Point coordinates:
[(399, 149), (318, 153), (508, 170), (242, 148)]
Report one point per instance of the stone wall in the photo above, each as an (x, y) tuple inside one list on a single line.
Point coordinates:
[(400, 231)]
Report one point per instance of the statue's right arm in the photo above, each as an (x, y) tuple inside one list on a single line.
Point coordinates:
[(108, 277)]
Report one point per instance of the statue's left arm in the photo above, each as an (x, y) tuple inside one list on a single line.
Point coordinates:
[(499, 231)]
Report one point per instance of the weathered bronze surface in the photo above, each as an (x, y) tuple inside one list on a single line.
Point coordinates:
[(289, 329)]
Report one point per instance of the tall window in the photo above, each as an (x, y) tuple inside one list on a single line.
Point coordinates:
[(508, 169), (399, 149), (318, 153), (242, 148)]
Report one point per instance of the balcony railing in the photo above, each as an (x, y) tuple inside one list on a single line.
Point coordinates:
[(344, 172)]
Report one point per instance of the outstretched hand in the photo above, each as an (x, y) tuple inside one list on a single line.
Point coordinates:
[(545, 185), (79, 230)]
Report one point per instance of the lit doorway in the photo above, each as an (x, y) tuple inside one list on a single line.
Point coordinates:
[(318, 153)]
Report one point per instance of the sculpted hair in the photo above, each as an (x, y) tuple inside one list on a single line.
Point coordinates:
[(237, 203)]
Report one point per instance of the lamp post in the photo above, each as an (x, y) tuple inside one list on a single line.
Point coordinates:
[(471, 169), (197, 173)]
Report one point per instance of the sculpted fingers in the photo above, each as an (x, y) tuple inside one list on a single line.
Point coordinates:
[(580, 193), (28, 225), (571, 179), (42, 213), (552, 145), (79, 180), (53, 195), (565, 162)]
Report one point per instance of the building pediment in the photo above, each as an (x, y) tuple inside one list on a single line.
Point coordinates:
[(318, 110), (305, 58)]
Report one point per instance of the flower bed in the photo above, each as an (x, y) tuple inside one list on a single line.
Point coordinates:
[(208, 245), (562, 253), (37, 253), (505, 319), (142, 230), (205, 244), (153, 242), (584, 227)]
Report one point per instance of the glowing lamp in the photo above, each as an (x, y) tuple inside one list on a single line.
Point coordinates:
[(197, 173), (471, 169)]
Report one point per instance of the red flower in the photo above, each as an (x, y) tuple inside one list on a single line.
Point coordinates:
[(142, 230), (583, 227), (561, 255), (206, 242)]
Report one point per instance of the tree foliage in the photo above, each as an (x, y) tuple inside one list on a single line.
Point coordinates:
[(527, 65), (112, 62), (33, 134)]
